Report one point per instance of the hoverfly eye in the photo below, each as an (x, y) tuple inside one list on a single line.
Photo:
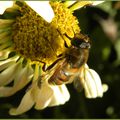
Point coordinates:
[(80, 43)]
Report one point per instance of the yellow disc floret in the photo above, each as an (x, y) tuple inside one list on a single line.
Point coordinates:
[(37, 40)]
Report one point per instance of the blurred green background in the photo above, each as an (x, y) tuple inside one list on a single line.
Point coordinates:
[(102, 25)]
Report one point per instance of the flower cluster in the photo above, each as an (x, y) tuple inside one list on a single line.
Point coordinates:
[(23, 50)]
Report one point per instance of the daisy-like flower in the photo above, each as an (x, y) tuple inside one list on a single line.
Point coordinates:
[(28, 39)]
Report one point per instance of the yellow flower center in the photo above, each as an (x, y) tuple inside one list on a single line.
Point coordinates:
[(38, 40)]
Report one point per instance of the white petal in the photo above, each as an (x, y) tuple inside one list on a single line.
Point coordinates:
[(26, 104), (43, 8), (5, 23), (4, 54), (21, 80), (9, 60), (83, 3), (97, 2), (9, 74), (6, 65), (42, 96), (105, 87), (97, 82), (65, 92), (69, 3), (60, 96), (4, 5), (92, 84), (79, 5), (50, 95), (90, 87)]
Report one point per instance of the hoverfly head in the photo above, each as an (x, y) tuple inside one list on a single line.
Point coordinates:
[(81, 41)]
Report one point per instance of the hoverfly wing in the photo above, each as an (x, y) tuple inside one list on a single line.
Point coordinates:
[(51, 73), (78, 83)]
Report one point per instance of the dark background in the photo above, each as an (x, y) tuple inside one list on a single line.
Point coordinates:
[(102, 25)]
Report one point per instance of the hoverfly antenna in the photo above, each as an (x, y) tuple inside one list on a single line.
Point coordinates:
[(64, 39)]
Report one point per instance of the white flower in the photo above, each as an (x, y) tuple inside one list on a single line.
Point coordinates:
[(41, 7), (21, 60)]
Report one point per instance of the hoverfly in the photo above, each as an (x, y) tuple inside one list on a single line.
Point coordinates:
[(67, 67)]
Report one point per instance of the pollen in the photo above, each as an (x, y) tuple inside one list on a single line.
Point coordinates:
[(38, 40)]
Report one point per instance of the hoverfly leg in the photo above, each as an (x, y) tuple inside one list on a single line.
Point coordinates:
[(39, 83), (44, 67), (60, 55), (65, 43), (53, 64)]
